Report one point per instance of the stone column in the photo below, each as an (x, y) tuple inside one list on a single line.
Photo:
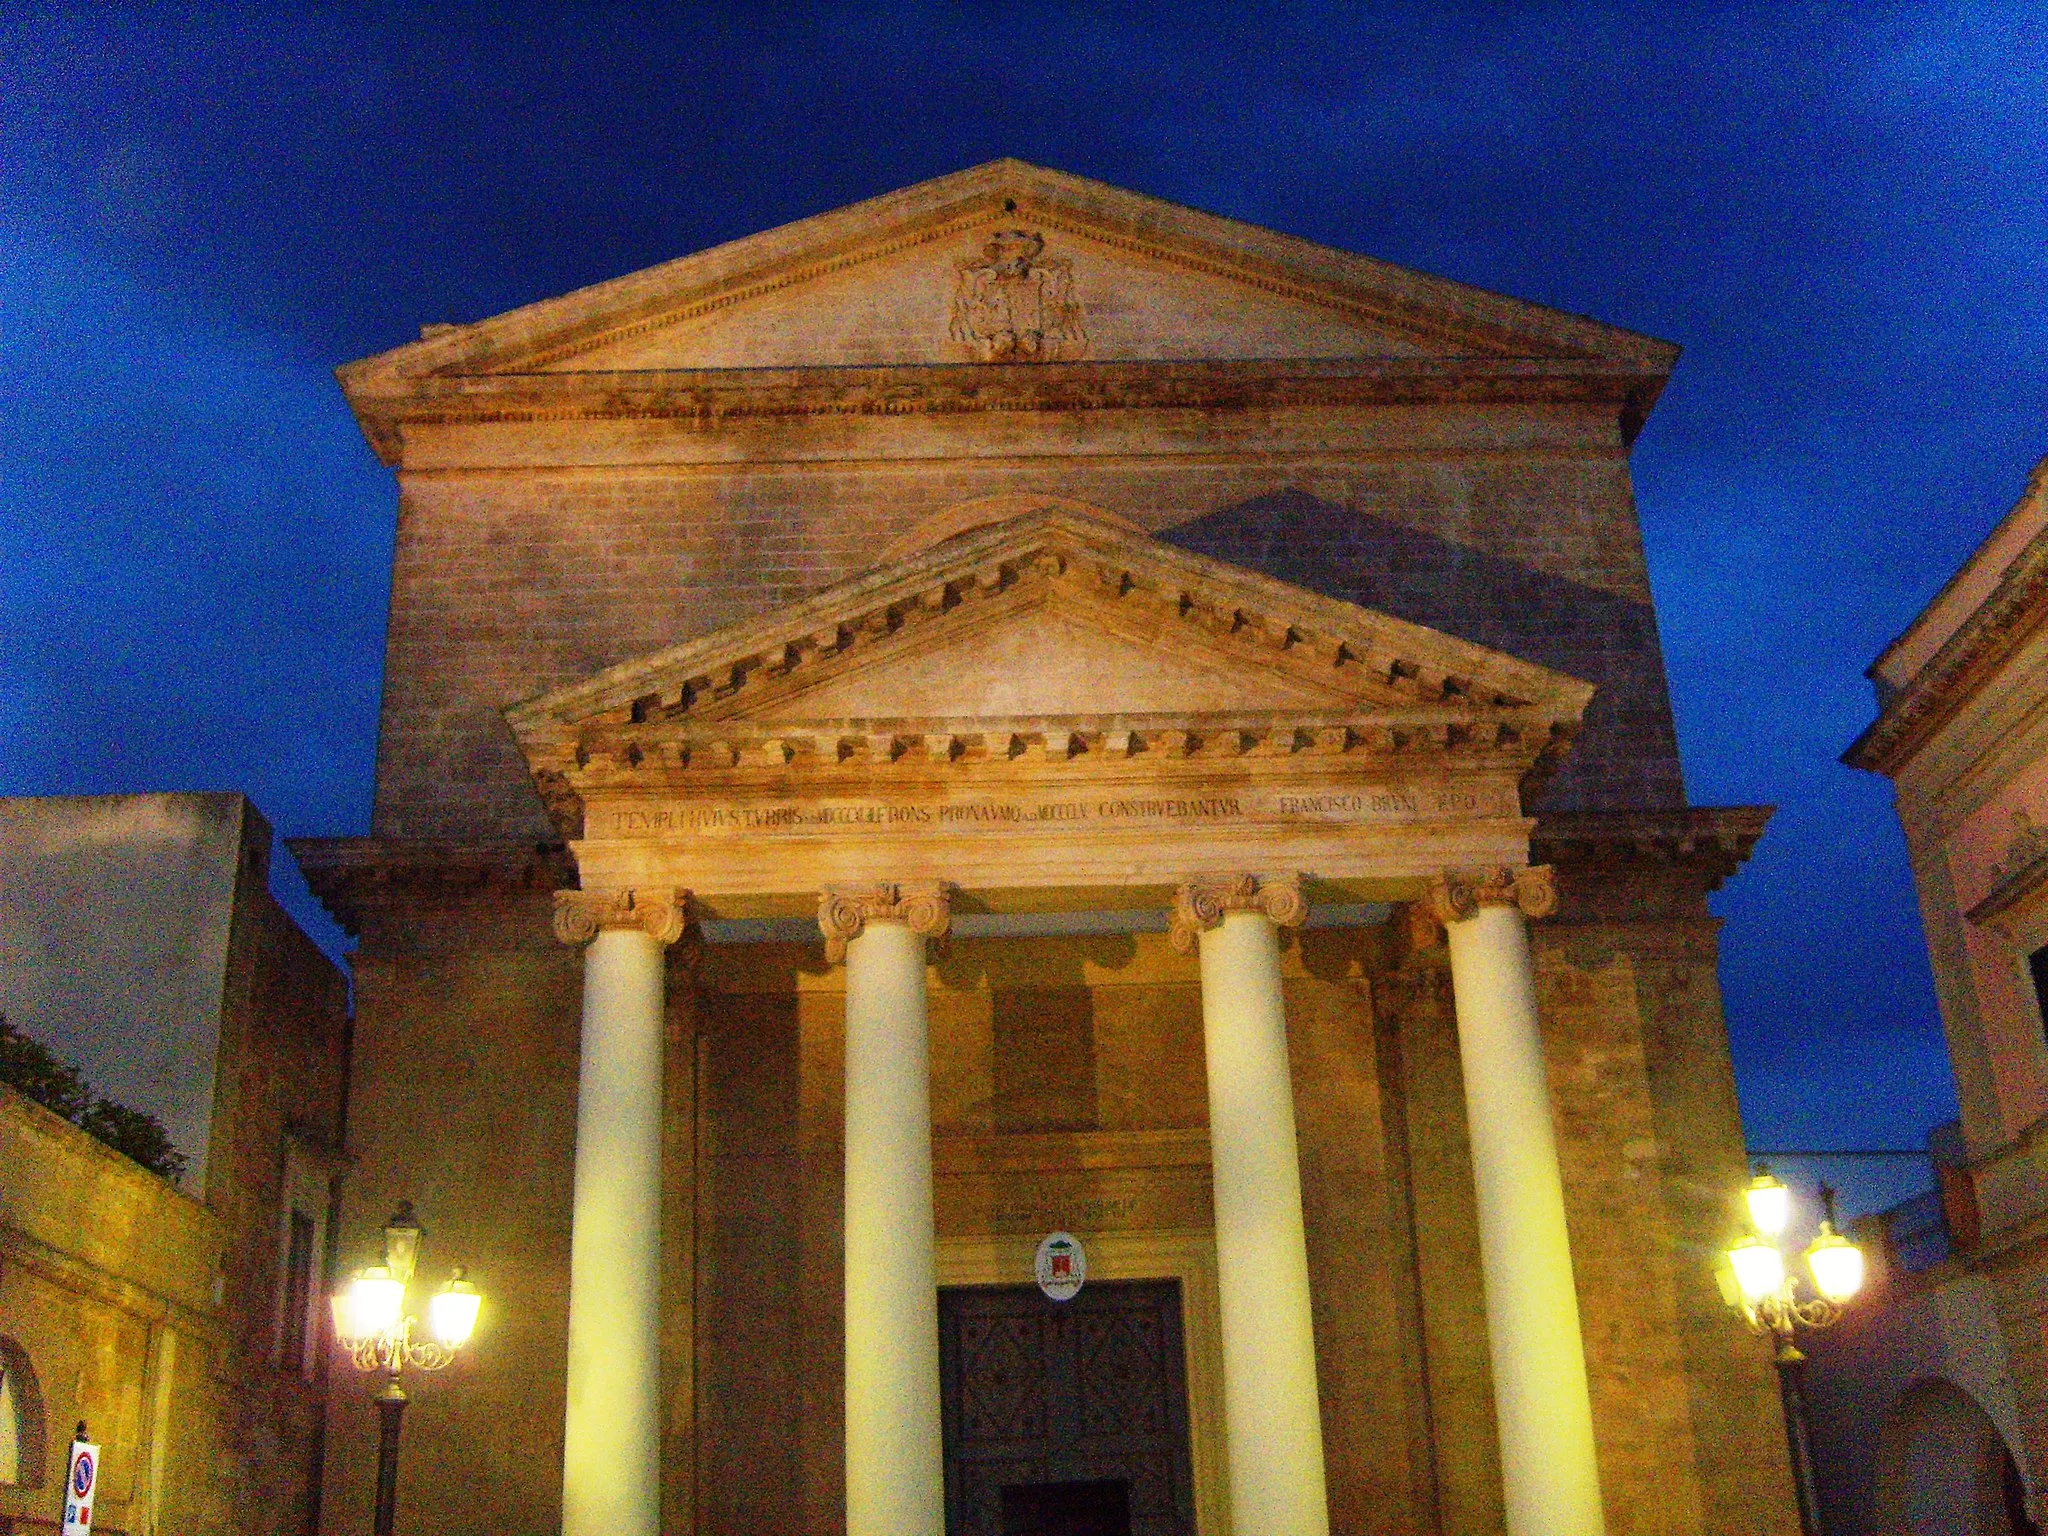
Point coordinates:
[(895, 1460), (1549, 1478), (611, 1454), (1272, 1415)]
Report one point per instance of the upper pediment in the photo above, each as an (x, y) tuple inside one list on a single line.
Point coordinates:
[(1048, 639), (1003, 263)]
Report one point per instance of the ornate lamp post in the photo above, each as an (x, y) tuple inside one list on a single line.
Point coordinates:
[(1771, 1304), (372, 1324)]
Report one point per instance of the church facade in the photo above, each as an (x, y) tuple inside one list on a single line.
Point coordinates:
[(1013, 710)]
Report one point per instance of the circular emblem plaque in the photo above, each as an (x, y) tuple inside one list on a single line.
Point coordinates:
[(1062, 1266)]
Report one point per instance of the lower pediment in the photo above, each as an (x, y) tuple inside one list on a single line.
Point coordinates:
[(1043, 706), (1062, 658)]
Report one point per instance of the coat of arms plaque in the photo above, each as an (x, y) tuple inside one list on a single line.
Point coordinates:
[(1015, 304)]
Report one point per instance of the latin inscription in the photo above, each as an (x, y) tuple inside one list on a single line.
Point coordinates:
[(1108, 811), (1107, 1211)]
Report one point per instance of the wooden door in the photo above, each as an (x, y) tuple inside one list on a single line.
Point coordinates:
[(1065, 1418)]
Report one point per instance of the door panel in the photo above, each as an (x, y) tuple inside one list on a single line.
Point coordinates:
[(1066, 1418)]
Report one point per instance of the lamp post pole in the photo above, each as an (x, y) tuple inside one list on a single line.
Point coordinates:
[(391, 1418), (1790, 1361), (371, 1323), (1770, 1303)]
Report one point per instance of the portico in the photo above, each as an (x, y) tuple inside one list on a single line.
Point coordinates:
[(1053, 714)]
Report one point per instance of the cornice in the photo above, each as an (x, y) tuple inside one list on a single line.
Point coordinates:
[(710, 399), (352, 875), (2014, 891), (1712, 842), (2014, 612), (664, 752), (1216, 604)]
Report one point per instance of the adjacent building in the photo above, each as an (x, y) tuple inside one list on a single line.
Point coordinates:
[(1016, 708), (1957, 1402), (181, 1322)]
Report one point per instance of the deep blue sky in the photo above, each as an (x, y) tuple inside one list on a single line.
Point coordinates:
[(1838, 210)]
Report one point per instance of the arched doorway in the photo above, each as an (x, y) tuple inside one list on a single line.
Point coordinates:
[(23, 1443), (1945, 1470)]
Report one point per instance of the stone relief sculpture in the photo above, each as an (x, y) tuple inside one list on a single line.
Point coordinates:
[(2028, 843), (1014, 304)]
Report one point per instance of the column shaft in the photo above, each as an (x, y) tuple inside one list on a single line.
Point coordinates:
[(1549, 1477), (895, 1466), (611, 1463), (1269, 1355)]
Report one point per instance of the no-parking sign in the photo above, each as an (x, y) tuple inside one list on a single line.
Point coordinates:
[(80, 1477)]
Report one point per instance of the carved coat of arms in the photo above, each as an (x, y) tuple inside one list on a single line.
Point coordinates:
[(1015, 304)]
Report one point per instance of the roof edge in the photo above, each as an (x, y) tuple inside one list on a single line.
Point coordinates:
[(2016, 609), (1118, 212)]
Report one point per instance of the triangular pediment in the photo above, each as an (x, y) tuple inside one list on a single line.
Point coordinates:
[(1006, 262), (1053, 655), (1050, 633)]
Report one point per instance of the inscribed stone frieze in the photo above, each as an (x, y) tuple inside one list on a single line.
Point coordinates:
[(1039, 814)]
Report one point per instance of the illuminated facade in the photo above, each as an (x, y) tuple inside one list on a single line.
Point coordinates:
[(1015, 707)]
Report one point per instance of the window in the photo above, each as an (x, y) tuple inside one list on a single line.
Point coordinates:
[(302, 1240), (298, 1287), (2037, 967)]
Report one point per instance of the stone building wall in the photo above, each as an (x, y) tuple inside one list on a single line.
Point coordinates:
[(596, 478), (1962, 733), (280, 1110), (527, 559), (153, 1313), (108, 1315)]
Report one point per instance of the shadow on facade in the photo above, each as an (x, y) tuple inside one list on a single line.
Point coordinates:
[(1626, 755)]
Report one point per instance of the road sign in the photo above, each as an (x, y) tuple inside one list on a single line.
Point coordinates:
[(81, 1475)]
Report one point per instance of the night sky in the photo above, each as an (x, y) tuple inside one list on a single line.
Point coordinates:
[(1837, 210)]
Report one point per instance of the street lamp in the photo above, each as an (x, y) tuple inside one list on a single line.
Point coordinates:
[(1768, 1294), (372, 1324)]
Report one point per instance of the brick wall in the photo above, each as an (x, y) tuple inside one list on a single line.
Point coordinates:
[(535, 555)]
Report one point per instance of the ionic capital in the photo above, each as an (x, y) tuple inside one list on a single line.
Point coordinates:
[(1457, 894), (1201, 904), (581, 916), (924, 906)]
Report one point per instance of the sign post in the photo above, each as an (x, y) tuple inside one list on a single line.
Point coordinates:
[(81, 1476)]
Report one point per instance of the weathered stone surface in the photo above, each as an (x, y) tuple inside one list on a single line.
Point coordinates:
[(1962, 733), (155, 1313), (661, 476)]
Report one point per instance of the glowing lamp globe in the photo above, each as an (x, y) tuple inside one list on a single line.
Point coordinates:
[(1770, 1205), (1836, 1265), (451, 1314), (370, 1306), (1759, 1268)]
